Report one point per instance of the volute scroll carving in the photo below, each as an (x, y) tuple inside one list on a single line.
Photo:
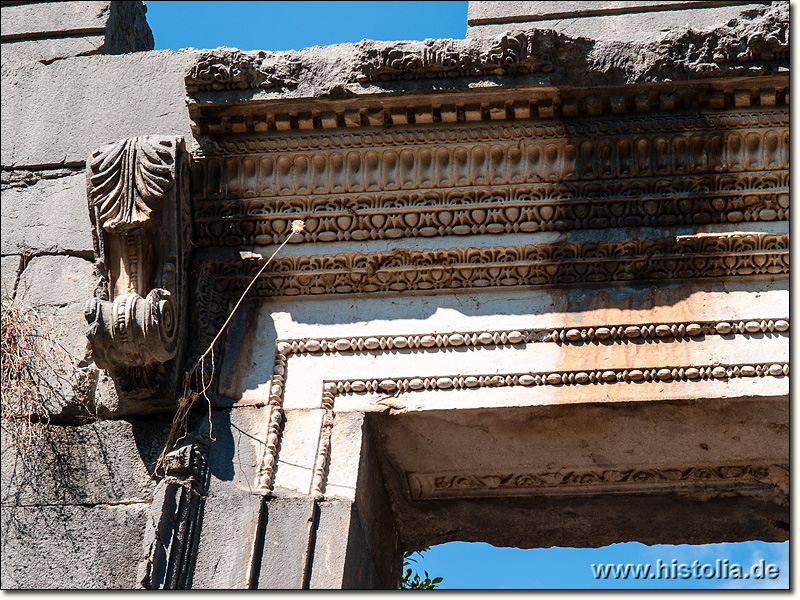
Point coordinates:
[(138, 192)]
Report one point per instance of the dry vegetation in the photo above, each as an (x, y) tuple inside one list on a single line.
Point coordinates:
[(37, 371)]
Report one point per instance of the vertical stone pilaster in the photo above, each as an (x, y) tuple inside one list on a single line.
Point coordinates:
[(343, 538)]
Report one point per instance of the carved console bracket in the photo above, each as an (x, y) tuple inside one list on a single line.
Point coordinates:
[(139, 202)]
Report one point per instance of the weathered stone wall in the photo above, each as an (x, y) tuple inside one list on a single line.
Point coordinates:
[(607, 22), (49, 31), (75, 504), (54, 114)]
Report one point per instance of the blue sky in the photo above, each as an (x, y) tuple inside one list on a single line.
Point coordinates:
[(295, 25)]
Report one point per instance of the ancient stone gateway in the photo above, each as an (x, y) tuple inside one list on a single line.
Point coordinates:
[(540, 299)]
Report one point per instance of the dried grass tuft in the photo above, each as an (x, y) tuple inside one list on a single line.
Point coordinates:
[(37, 370)]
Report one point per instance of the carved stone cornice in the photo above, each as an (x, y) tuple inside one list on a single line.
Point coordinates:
[(565, 482), (519, 178), (754, 45), (549, 106), (519, 153), (138, 191), (443, 131)]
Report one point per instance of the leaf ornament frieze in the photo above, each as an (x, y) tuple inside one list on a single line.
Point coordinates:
[(478, 210), (592, 262)]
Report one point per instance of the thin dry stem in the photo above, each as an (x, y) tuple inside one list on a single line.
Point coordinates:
[(189, 397)]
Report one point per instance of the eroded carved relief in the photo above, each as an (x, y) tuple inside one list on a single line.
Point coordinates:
[(514, 54), (433, 486), (756, 44), (237, 71), (763, 40), (138, 192), (171, 534)]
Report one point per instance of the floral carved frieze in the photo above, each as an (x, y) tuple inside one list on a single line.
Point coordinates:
[(477, 210), (139, 203), (433, 486), (672, 258)]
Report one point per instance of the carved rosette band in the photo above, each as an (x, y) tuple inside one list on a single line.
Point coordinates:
[(557, 378), (139, 203)]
